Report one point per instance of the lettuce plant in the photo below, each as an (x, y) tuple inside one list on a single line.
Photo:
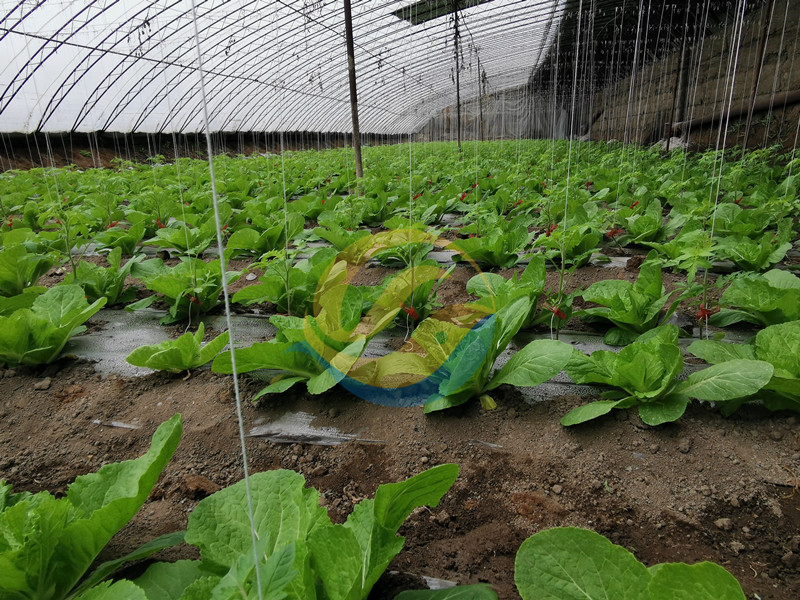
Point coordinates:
[(301, 553), (290, 287), (291, 358), (576, 244), (464, 361), (495, 291), (761, 253), (498, 248), (187, 240), (568, 562), (340, 237), (643, 374), (690, 250), (192, 286), (632, 308), (250, 241), (182, 354), (47, 544), (778, 346), (647, 226), (37, 335), (119, 237), (109, 282), (761, 299), (21, 268)]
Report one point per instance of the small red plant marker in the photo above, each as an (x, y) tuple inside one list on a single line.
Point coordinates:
[(704, 312), (409, 310)]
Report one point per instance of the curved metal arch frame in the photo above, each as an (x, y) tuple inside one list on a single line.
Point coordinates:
[(4, 100), (51, 107), (156, 101), (393, 121)]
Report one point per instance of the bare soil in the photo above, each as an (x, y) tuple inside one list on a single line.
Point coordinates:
[(704, 488)]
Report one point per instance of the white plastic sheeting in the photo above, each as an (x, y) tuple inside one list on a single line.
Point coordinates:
[(277, 65)]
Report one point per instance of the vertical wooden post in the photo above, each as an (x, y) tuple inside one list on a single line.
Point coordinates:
[(458, 76), (480, 104), (681, 83), (351, 72)]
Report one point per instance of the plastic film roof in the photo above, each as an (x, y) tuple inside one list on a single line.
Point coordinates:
[(278, 65)]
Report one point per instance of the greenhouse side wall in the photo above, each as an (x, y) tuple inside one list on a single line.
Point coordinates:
[(657, 92)]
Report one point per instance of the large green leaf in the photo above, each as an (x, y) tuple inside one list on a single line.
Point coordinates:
[(665, 410), (534, 364), (728, 380), (701, 581), (284, 513), (577, 564), (587, 412), (50, 543), (113, 591), (372, 527), (167, 581), (718, 352), (780, 345)]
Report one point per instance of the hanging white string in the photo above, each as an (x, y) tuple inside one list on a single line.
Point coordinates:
[(220, 243)]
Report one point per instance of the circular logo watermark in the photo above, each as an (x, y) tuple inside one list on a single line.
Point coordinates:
[(445, 349)]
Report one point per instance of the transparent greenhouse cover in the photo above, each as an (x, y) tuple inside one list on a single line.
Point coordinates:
[(270, 65)]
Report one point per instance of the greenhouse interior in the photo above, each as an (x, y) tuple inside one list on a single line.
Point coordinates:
[(414, 299)]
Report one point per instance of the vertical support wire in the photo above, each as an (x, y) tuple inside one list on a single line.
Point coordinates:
[(220, 243)]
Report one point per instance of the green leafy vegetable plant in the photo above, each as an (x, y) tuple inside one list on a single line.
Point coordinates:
[(192, 286), (632, 308), (499, 248), (37, 335), (340, 237), (181, 236), (761, 299), (301, 553), (109, 282), (568, 562), (645, 372), (120, 237), (48, 544), (291, 287), (495, 291), (761, 253), (467, 366), (182, 354), (574, 246), (21, 268), (292, 360), (778, 346), (249, 241)]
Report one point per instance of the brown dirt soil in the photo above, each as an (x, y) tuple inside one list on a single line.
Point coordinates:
[(704, 488)]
